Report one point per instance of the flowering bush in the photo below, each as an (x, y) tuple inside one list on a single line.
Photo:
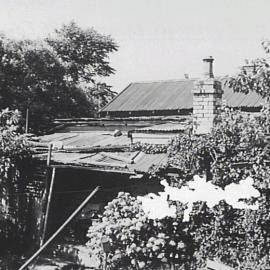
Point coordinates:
[(136, 241), (239, 238)]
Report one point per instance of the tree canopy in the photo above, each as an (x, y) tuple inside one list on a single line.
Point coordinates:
[(56, 77), (84, 53), (255, 75)]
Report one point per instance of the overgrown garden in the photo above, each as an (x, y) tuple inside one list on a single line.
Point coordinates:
[(238, 147), (56, 74)]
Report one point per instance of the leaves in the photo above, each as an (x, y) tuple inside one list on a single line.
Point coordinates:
[(237, 147), (13, 149), (135, 240), (83, 52), (254, 76), (56, 78)]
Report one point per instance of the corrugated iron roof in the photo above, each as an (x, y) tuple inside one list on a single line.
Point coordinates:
[(141, 162), (171, 95), (84, 139), (149, 96), (148, 160), (234, 99)]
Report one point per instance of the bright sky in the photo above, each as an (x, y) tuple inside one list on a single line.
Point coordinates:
[(158, 39)]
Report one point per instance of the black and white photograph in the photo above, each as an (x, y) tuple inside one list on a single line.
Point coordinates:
[(134, 135)]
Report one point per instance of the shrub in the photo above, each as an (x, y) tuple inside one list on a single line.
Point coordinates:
[(135, 240)]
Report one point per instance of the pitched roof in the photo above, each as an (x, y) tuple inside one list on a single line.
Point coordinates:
[(170, 95), (236, 100), (149, 96)]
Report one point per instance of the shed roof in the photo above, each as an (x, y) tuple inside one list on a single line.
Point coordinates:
[(78, 140), (171, 95), (124, 162), (66, 152)]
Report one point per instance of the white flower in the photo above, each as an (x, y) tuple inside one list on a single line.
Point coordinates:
[(161, 235), (172, 243), (141, 265)]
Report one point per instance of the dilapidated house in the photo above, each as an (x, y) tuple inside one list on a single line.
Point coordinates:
[(85, 153)]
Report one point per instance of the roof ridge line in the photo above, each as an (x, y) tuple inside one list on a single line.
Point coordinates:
[(179, 80), (169, 80)]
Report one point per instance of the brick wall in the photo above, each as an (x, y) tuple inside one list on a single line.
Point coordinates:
[(207, 95)]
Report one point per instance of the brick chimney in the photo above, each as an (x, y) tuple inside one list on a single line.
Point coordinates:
[(207, 94)]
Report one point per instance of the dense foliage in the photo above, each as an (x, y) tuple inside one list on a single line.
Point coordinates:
[(239, 238), (84, 52), (254, 76), (149, 148), (135, 240), (13, 146), (237, 147), (57, 77), (14, 154)]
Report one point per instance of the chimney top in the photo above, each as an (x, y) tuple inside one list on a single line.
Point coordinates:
[(208, 67), (208, 59)]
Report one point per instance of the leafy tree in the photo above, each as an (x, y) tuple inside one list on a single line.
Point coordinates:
[(254, 76), (99, 94), (83, 52), (85, 55), (54, 82)]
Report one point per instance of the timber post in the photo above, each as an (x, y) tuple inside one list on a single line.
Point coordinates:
[(48, 207)]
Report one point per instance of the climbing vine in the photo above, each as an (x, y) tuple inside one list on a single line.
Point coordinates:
[(237, 147), (14, 152)]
